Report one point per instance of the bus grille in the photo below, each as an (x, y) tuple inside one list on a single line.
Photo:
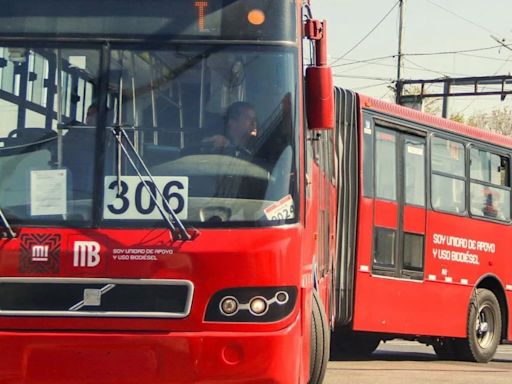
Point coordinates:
[(95, 297)]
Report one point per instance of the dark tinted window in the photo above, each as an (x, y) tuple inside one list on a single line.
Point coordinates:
[(413, 251), (384, 247)]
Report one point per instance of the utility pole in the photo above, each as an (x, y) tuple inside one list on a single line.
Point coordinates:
[(399, 61)]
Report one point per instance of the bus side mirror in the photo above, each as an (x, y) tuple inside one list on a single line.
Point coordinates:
[(319, 97)]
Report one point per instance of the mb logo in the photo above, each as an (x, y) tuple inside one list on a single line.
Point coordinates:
[(86, 254), (40, 253)]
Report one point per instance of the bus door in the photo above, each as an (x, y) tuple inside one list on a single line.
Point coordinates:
[(324, 153), (399, 209)]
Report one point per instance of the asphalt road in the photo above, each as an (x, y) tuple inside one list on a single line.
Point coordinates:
[(398, 362)]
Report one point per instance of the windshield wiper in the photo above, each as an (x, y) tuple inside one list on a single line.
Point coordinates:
[(10, 233), (175, 225)]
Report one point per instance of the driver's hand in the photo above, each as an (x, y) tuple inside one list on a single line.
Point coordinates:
[(217, 141)]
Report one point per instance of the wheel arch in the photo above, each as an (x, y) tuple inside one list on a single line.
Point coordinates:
[(493, 284)]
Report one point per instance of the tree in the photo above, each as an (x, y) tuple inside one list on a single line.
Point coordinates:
[(498, 120), (458, 117)]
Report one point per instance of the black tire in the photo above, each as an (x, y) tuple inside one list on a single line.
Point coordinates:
[(353, 344), (483, 328), (319, 354), (445, 348)]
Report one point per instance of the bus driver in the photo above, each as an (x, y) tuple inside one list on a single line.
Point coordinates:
[(240, 130)]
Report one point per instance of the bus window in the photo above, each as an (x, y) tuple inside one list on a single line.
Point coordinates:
[(490, 185), (447, 157), (368, 157), (413, 251), (385, 164), (414, 172), (384, 254), (40, 90), (448, 180)]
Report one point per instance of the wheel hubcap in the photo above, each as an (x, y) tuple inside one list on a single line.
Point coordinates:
[(485, 326)]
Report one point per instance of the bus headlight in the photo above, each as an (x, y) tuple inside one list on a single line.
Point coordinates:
[(258, 306), (282, 297), (254, 304), (229, 306)]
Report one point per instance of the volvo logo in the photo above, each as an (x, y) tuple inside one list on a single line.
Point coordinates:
[(92, 297)]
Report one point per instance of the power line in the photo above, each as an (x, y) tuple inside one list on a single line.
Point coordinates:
[(501, 42), (408, 68), (371, 86), (368, 34), (483, 57), (418, 67), (425, 68), (377, 64), (390, 89), (502, 66), (463, 52), (366, 62), (421, 67), (461, 111), (353, 61), (461, 17), (364, 77), (459, 51)]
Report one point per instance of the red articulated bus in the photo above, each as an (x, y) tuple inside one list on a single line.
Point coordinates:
[(180, 202), (425, 211), (158, 224)]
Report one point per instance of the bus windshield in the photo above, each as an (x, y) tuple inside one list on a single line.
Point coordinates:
[(215, 126)]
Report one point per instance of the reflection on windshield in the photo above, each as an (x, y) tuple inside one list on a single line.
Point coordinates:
[(215, 128), (46, 148), (215, 125)]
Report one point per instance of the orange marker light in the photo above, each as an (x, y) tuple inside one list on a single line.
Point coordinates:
[(201, 5), (256, 17)]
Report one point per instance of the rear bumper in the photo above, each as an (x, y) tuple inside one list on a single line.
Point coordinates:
[(111, 358)]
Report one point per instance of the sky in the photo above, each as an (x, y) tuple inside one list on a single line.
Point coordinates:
[(363, 44)]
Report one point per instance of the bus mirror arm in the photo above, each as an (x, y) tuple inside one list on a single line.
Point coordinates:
[(319, 83)]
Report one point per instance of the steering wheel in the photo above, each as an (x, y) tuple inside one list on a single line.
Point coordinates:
[(201, 149)]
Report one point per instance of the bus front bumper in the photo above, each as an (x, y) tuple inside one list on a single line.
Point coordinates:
[(112, 358)]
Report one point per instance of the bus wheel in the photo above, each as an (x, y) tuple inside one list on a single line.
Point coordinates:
[(319, 353), (444, 348), (483, 329)]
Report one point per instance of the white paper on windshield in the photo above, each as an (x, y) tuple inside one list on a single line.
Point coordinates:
[(48, 192), (133, 200), (281, 210), (78, 61)]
